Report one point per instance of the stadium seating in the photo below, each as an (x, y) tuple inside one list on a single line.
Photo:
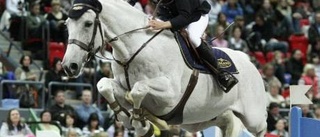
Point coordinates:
[(55, 50), (299, 41)]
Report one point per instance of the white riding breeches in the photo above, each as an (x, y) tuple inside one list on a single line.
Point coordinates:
[(196, 30)]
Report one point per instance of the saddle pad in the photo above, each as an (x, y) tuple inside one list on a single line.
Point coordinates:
[(224, 61)]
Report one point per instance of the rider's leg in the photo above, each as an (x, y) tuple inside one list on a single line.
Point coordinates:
[(195, 31)]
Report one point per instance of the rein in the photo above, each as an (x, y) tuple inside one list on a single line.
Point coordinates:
[(90, 47)]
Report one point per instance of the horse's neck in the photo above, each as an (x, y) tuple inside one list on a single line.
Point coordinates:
[(119, 17)]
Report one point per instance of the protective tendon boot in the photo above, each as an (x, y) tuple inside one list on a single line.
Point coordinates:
[(225, 79)]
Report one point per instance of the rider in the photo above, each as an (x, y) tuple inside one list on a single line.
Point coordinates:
[(192, 15)]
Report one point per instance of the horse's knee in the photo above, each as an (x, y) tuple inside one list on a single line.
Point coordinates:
[(139, 91), (104, 85)]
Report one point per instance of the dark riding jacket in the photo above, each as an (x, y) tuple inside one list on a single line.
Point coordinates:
[(181, 13)]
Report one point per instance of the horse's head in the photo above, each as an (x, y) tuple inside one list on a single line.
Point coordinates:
[(85, 35)]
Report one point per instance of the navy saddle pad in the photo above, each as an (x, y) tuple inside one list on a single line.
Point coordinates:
[(224, 61)]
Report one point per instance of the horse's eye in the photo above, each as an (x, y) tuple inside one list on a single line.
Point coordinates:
[(88, 24)]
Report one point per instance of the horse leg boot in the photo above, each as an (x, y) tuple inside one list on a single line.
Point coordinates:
[(225, 79), (142, 126), (106, 87)]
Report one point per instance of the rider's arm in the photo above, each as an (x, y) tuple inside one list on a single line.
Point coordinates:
[(183, 19)]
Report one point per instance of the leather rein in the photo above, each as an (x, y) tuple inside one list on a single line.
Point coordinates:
[(178, 110)]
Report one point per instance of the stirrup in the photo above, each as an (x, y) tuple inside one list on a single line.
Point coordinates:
[(229, 85)]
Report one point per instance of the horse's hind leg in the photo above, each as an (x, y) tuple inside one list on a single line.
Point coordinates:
[(159, 87), (107, 87)]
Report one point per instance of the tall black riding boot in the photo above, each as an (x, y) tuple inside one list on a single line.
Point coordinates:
[(225, 79)]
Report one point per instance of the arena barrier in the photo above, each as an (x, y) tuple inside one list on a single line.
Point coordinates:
[(302, 126)]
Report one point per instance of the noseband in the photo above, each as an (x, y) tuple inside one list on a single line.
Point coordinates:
[(90, 47)]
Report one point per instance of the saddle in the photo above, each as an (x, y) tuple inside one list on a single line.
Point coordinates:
[(192, 58)]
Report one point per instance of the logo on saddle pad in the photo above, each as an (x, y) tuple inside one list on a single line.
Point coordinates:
[(223, 63), (77, 7)]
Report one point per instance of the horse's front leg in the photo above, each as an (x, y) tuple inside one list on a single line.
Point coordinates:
[(160, 88), (107, 87)]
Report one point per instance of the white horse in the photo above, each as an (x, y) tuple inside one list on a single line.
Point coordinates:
[(158, 75)]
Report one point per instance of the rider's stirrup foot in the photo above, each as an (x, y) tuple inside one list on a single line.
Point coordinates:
[(226, 81)]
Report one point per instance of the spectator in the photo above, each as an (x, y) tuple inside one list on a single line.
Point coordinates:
[(317, 112), (294, 66), (69, 123), (314, 30), (149, 8), (306, 111), (86, 109), (35, 21), (232, 9), (268, 75), (267, 11), (45, 116), (302, 11), (55, 74), (104, 134), (88, 73), (14, 8), (118, 133), (13, 126), (239, 22), (309, 78), (56, 19), (280, 129), (117, 126), (93, 125), (24, 72), (60, 109), (279, 67), (222, 21), (273, 94), (273, 116), (282, 27), (315, 49), (72, 133), (315, 59), (220, 41), (285, 9), (264, 31), (104, 71), (236, 43), (315, 5)]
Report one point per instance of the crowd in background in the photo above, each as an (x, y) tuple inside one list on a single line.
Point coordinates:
[(264, 29)]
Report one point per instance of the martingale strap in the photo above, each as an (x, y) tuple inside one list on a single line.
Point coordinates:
[(176, 115)]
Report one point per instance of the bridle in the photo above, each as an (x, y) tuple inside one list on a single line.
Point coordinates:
[(90, 47)]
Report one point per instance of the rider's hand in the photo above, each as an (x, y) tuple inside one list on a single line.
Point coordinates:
[(156, 25)]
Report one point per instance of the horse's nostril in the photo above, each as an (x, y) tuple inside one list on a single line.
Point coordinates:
[(74, 66)]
